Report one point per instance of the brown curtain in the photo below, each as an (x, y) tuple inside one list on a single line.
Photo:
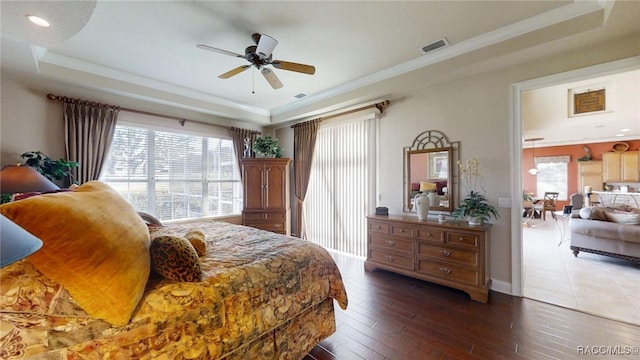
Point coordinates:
[(304, 144), (243, 140), (89, 130)]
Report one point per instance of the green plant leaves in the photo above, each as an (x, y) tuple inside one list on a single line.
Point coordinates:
[(51, 169)]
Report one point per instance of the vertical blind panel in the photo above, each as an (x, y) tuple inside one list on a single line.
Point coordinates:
[(336, 202)]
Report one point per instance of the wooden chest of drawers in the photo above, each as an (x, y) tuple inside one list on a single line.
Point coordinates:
[(450, 254)]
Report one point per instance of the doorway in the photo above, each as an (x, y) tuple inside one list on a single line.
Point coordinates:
[(518, 238)]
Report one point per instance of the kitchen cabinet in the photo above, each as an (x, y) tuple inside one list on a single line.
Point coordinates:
[(621, 166)]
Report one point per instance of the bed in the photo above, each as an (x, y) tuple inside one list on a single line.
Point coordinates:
[(262, 296)]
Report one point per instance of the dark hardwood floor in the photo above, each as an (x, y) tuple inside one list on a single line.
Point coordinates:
[(396, 317)]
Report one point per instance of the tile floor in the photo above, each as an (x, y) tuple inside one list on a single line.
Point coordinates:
[(596, 284)]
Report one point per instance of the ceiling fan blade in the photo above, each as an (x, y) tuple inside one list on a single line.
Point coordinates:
[(233, 72), (271, 78), (210, 48), (291, 66)]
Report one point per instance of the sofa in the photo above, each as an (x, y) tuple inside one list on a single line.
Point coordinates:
[(606, 231)]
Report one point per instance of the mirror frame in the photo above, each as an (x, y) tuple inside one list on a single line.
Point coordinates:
[(432, 141)]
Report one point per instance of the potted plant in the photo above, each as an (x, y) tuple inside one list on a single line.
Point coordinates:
[(474, 206), (268, 146), (51, 169), (476, 209)]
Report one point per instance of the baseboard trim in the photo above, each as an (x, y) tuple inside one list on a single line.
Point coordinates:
[(501, 286)]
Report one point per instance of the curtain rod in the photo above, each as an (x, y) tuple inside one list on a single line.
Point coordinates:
[(115, 107), (380, 106)]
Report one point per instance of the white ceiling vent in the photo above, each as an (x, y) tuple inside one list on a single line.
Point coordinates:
[(434, 45)]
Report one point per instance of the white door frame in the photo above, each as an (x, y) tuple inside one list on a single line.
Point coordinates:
[(516, 147)]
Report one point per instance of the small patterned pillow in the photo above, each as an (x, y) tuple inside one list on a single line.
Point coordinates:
[(197, 240), (175, 258)]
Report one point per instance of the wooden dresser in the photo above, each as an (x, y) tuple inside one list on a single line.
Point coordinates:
[(450, 254), (266, 194)]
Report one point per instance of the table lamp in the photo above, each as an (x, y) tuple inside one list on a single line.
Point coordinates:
[(22, 179), (15, 242)]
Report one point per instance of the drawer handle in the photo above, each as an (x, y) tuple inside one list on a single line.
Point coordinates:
[(444, 270), (429, 234), (401, 230), (461, 238), (378, 227), (445, 252), (391, 258), (390, 242), (277, 225)]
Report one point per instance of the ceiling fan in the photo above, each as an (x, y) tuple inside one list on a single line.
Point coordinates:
[(259, 55)]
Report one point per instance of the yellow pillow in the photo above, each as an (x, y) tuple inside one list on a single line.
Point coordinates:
[(427, 186), (95, 245)]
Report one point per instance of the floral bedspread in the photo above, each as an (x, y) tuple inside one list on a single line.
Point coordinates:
[(254, 282)]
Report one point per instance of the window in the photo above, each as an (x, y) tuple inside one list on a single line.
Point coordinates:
[(340, 185), (552, 175), (174, 175)]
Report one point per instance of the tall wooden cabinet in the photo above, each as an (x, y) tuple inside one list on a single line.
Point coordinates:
[(590, 174), (266, 194), (450, 254), (621, 166)]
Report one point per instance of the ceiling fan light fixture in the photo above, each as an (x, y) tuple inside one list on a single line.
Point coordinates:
[(266, 46)]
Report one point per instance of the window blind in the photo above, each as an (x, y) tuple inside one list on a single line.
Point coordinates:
[(174, 175)]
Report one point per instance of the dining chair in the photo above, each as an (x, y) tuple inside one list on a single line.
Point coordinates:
[(577, 202), (548, 203)]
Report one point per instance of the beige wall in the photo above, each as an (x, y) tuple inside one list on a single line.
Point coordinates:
[(477, 112), (473, 110), (28, 122)]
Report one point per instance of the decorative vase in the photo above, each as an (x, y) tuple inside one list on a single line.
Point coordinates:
[(473, 221), (433, 199), (421, 203)]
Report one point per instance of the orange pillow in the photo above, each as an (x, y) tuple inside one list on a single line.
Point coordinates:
[(95, 245)]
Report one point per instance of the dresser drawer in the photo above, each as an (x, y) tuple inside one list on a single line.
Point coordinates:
[(275, 216), (402, 230), (378, 227), (429, 234), (274, 226), (388, 258), (453, 255), (404, 245), (253, 216), (460, 239), (449, 272), (264, 216)]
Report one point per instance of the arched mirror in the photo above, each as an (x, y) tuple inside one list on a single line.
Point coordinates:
[(429, 165)]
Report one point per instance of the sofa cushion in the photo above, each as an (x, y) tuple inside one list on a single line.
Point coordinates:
[(605, 229), (593, 213), (623, 217)]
